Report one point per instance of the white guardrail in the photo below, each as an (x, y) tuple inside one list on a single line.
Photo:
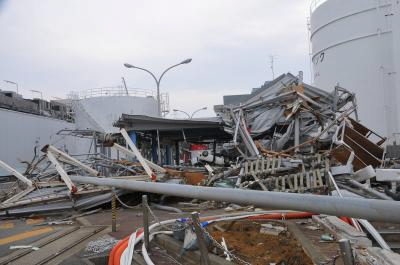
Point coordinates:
[(111, 91)]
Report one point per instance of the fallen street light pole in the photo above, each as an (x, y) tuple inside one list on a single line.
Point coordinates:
[(370, 209)]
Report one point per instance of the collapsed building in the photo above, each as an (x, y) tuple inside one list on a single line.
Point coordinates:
[(287, 146)]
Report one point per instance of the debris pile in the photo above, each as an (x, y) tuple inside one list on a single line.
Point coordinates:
[(287, 137)]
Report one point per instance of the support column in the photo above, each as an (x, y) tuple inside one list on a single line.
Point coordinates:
[(177, 153), (154, 155), (168, 159)]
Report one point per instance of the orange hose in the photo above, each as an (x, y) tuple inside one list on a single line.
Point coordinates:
[(115, 254), (114, 249), (289, 215), (118, 253)]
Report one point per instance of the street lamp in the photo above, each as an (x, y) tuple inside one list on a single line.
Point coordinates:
[(190, 116), (159, 79), (37, 91), (177, 110), (11, 82)]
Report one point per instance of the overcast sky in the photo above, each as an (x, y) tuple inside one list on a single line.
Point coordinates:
[(61, 46)]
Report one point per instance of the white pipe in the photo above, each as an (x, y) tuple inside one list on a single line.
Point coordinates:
[(145, 254), (372, 209)]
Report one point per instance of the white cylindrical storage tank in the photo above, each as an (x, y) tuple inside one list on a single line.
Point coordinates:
[(98, 108), (101, 112), (356, 44)]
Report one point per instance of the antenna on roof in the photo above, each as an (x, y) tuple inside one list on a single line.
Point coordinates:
[(126, 89), (271, 62)]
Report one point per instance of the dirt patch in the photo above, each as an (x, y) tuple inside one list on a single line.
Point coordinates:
[(245, 240)]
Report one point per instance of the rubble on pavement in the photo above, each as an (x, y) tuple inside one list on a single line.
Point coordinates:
[(286, 137)]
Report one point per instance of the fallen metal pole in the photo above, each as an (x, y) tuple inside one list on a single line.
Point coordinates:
[(370, 209)]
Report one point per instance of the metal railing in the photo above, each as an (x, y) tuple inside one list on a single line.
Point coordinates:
[(315, 4), (111, 91), (164, 97)]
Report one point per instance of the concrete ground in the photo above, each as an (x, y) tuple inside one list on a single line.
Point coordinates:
[(28, 232), (22, 232)]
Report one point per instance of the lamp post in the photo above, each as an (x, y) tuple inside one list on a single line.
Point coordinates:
[(177, 110), (11, 82), (37, 91), (159, 79), (204, 108), (190, 116)]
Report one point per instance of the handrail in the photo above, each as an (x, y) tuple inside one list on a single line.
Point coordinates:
[(111, 91)]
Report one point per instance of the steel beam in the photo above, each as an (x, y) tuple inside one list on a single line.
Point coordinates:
[(137, 153), (132, 154), (15, 173), (370, 209), (69, 159), (64, 176)]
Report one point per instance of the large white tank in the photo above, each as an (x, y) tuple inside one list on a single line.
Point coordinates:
[(356, 44), (98, 109)]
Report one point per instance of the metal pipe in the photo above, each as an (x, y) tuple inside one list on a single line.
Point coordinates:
[(370, 209)]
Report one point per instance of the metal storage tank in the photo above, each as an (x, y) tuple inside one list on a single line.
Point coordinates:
[(99, 108), (356, 44)]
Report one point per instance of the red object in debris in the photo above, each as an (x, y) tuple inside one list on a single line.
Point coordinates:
[(282, 216), (74, 189), (198, 147), (346, 220)]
